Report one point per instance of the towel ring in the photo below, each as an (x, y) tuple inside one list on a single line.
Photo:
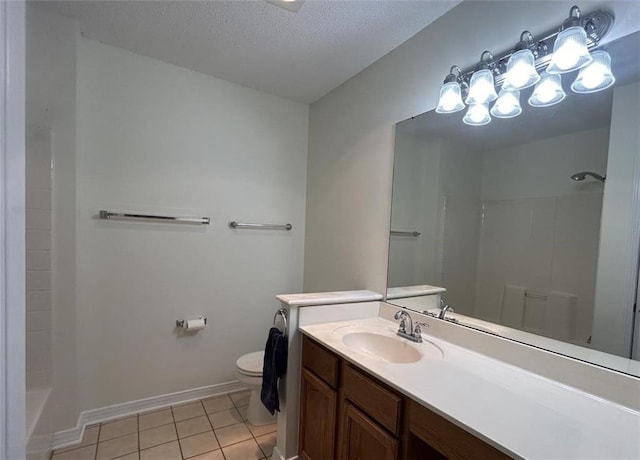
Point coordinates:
[(282, 312)]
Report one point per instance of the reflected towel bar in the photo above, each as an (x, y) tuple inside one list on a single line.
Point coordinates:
[(535, 296), (234, 224), (150, 217), (401, 233), (282, 312)]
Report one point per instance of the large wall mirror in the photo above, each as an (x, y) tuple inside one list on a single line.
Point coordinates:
[(528, 227)]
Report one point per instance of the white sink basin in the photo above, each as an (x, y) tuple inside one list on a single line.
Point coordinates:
[(385, 348)]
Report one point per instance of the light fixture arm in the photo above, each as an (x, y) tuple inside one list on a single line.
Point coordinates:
[(573, 20), (526, 42), (452, 76)]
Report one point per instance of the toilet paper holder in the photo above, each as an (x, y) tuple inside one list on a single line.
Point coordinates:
[(181, 322)]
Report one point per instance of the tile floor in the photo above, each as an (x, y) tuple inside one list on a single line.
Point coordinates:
[(211, 429)]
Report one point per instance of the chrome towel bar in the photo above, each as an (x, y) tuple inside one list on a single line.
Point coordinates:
[(401, 233), (234, 224), (150, 217), (282, 312)]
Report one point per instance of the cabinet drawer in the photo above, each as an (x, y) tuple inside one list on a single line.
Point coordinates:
[(378, 402), (450, 440), (320, 361)]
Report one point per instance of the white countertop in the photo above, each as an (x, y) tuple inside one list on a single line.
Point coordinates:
[(518, 412), (577, 351), (413, 291), (328, 298)]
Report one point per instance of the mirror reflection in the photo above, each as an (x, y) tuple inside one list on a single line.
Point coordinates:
[(523, 227)]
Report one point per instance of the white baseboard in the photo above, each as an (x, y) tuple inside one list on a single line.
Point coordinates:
[(74, 435), (277, 455)]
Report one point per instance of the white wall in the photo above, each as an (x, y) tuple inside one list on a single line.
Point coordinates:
[(414, 260), (460, 181), (351, 131), (540, 228), (51, 94), (617, 270), (436, 190), (543, 168), (158, 138)]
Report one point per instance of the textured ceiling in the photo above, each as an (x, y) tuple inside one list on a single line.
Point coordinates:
[(300, 56)]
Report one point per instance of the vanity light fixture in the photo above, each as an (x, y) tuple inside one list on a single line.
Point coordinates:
[(595, 76), (507, 105), (450, 94), (519, 68), (477, 115), (548, 91)]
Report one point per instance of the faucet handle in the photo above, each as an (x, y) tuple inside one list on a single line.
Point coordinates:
[(417, 330), (401, 315)]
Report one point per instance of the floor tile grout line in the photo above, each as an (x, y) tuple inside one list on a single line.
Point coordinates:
[(153, 447), (173, 416), (158, 426), (213, 429), (98, 441), (138, 427)]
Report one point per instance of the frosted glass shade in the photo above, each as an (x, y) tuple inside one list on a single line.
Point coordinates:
[(507, 105), (570, 51), (595, 76), (481, 88), (548, 91), (450, 98), (477, 115), (521, 71)]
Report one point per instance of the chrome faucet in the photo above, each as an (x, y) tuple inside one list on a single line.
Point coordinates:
[(414, 333), (444, 308)]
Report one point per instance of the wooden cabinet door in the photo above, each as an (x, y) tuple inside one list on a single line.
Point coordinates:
[(363, 439), (317, 419)]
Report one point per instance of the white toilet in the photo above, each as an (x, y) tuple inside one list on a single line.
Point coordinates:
[(249, 372)]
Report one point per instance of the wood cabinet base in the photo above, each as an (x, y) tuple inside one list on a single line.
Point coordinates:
[(347, 414)]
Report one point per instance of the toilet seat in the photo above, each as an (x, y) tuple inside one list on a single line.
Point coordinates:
[(251, 363)]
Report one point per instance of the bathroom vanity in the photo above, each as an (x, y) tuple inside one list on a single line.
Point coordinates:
[(345, 412), (367, 393)]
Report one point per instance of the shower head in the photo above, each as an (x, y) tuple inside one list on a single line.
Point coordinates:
[(582, 175)]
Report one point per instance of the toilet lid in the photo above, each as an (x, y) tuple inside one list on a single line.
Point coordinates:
[(251, 363)]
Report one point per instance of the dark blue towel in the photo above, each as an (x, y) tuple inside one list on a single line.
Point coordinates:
[(274, 367)]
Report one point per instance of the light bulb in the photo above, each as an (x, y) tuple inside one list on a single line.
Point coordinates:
[(568, 55), (548, 91), (570, 51), (507, 105), (450, 98), (521, 71), (481, 88), (593, 76), (596, 76), (477, 115)]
